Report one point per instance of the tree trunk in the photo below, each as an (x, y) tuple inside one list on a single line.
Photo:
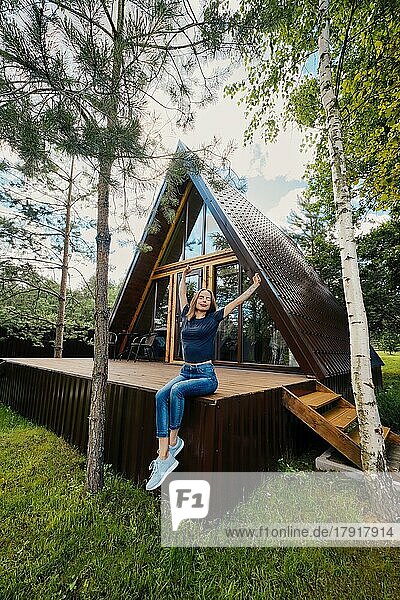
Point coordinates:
[(95, 449), (62, 298), (371, 432)]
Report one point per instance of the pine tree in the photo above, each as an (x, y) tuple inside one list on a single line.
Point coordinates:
[(45, 222), (90, 70)]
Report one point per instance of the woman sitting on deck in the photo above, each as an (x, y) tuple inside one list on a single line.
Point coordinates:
[(197, 377)]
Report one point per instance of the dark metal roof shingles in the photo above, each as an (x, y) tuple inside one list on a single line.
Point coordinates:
[(295, 284)]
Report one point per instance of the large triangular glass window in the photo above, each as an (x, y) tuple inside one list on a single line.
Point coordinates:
[(196, 232)]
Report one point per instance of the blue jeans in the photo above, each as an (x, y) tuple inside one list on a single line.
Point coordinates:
[(192, 381)]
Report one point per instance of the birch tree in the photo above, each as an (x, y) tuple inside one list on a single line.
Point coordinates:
[(284, 39), (371, 431)]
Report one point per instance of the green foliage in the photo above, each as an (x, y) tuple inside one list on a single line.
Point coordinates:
[(379, 258), (305, 105), (87, 79), (389, 341), (107, 547), (77, 82), (275, 40), (216, 23), (313, 230), (81, 78), (291, 463), (278, 43), (29, 305), (34, 225), (388, 398), (370, 101), (28, 302), (389, 405)]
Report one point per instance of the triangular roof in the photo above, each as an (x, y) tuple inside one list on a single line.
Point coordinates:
[(307, 314)]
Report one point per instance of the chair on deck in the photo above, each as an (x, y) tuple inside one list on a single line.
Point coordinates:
[(126, 339), (146, 343)]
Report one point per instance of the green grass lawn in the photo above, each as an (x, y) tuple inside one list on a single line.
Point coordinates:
[(56, 542), (392, 364), (389, 398)]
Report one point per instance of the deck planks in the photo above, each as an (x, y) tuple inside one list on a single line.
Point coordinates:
[(152, 376)]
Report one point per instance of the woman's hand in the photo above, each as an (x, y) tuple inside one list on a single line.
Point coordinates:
[(187, 270), (243, 297)]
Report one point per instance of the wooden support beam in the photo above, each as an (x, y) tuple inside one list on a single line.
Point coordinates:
[(171, 319), (163, 248)]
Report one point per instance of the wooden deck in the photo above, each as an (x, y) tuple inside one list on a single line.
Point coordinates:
[(151, 376), (242, 427)]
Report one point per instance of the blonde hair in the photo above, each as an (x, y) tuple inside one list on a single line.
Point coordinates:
[(192, 307)]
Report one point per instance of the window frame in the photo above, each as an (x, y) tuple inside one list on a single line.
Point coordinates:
[(208, 264)]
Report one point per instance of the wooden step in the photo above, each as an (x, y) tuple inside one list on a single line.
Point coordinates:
[(355, 434), (332, 422), (340, 416), (317, 399)]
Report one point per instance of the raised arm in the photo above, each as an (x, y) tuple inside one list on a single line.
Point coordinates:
[(182, 287), (240, 299)]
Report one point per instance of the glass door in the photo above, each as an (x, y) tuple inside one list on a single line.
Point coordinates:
[(226, 290), (193, 284)]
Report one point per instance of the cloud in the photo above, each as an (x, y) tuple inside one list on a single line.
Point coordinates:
[(372, 222), (265, 194), (278, 214), (283, 158)]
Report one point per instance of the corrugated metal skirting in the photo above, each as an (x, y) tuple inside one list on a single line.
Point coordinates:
[(246, 433)]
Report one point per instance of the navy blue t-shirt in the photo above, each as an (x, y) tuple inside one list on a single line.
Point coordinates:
[(198, 335)]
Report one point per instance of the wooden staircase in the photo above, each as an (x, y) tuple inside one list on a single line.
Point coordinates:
[(335, 420)]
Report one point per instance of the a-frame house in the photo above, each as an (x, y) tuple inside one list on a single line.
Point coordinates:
[(282, 357), (293, 323)]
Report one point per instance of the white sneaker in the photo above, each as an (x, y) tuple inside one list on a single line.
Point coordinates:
[(174, 450), (160, 471)]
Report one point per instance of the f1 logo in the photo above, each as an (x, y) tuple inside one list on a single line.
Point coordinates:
[(189, 499)]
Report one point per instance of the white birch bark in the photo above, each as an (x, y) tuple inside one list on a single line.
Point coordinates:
[(371, 432), (372, 443)]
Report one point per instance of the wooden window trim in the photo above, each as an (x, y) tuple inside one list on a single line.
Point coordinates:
[(171, 315), (203, 244), (214, 258), (168, 237), (240, 318)]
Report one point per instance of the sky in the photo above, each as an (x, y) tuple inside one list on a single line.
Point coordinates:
[(273, 172)]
